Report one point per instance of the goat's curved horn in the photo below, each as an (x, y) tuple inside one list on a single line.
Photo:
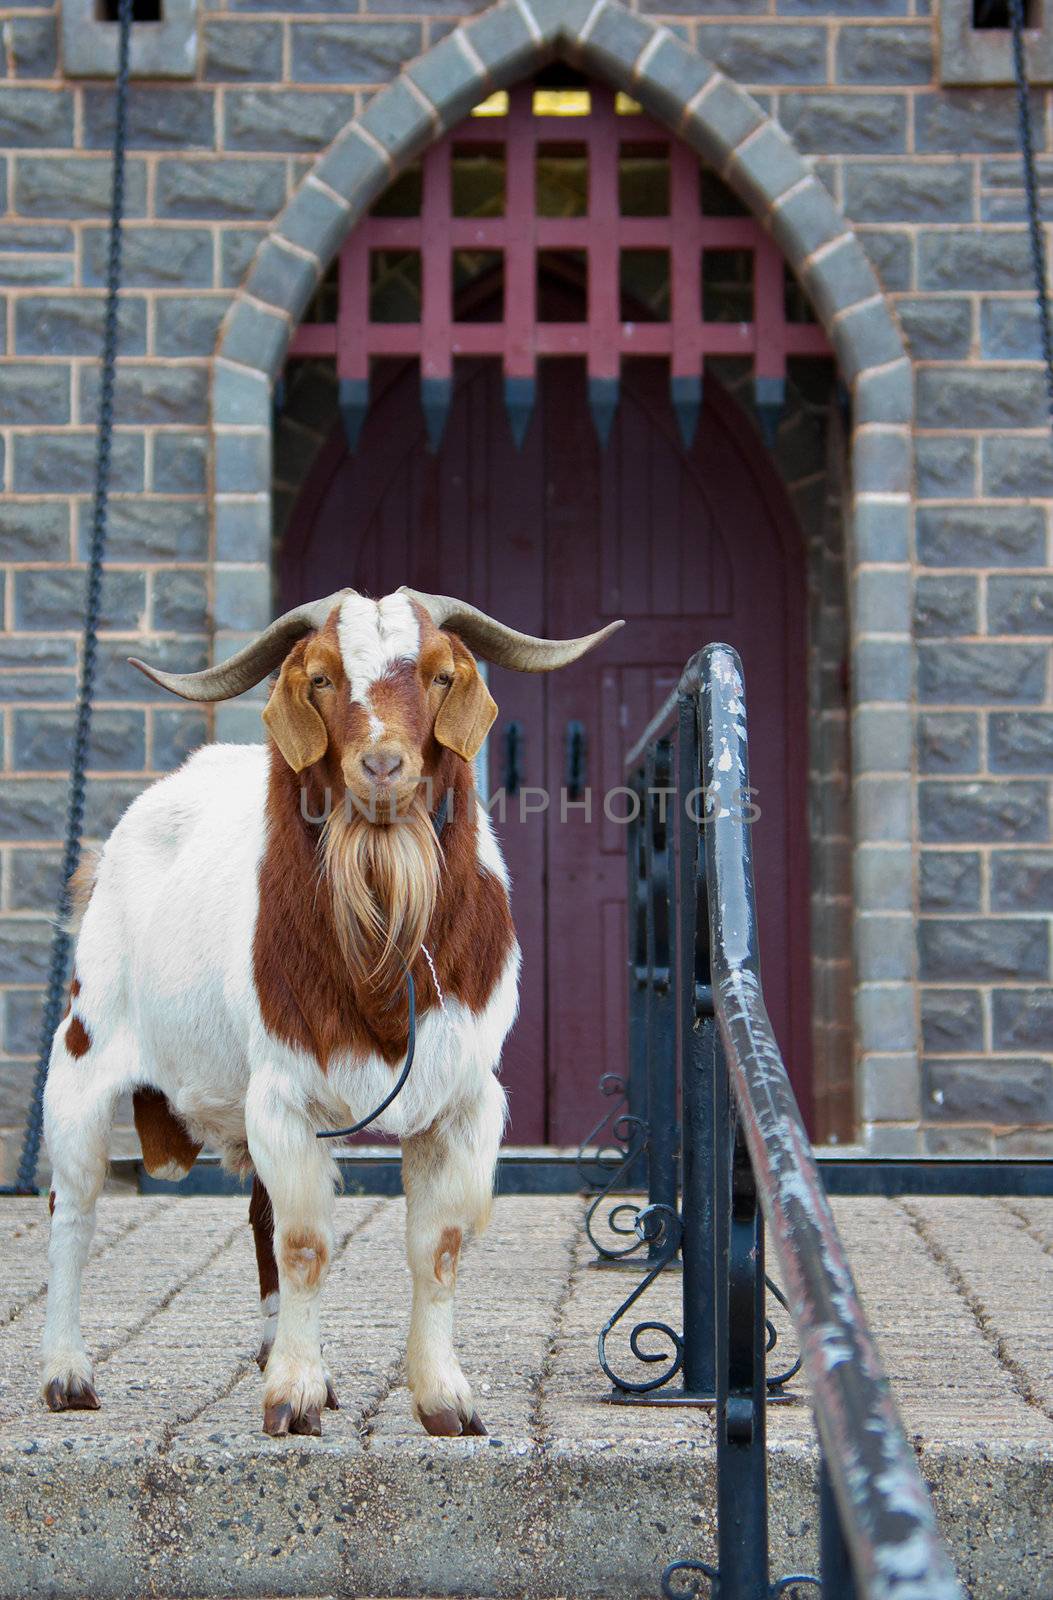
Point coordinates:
[(502, 645), (251, 665)]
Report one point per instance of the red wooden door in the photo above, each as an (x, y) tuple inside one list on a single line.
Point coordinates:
[(558, 538)]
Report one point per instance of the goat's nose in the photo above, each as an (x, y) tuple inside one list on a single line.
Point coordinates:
[(382, 764)]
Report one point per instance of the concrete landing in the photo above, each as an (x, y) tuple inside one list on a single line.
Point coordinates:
[(171, 1490)]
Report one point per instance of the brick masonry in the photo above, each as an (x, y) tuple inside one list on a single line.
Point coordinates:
[(939, 852)]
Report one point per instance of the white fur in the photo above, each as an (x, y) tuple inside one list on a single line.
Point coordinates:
[(373, 636), (164, 959)]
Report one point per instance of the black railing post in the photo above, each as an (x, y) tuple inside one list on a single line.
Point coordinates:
[(636, 1176), (697, 1060), (663, 1143), (835, 1568)]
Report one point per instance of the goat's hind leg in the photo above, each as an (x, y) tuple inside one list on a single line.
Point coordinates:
[(448, 1176), (79, 1101)]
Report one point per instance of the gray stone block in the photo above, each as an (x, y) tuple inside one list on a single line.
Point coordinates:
[(46, 462), (43, 740), (946, 468), (983, 949), (1009, 330), (255, 338), (35, 653), (970, 536), (882, 461), (881, 739), (243, 531), (71, 325), (32, 810), (54, 597), (23, 1017), (1022, 1019), (35, 876), (242, 462), (805, 220), (151, 530), (75, 186), (980, 397), (358, 51), (949, 880), (37, 119), (881, 531), (159, 118), (845, 124), (1022, 880), (884, 948), (180, 603), (243, 598), (866, 336), (1017, 468), (450, 81), (283, 278), (1020, 741), (882, 809), (161, 258), (885, 55), (725, 116), (881, 669), (885, 395), (174, 734), (766, 167), (988, 258), (119, 681), (670, 79), (946, 607), (188, 325), (908, 191), (881, 601), (1005, 1091), (885, 1022), (36, 272), (765, 52), (981, 674), (243, 399), (25, 948), (33, 394), (952, 1021), (1020, 605), (936, 329), (149, 393), (180, 463), (237, 251), (890, 252), (165, 49), (982, 812), (284, 119), (840, 277), (973, 121), (33, 46), (232, 187), (107, 801), (236, 50), (883, 878)]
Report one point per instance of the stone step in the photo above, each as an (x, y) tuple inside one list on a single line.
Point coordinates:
[(172, 1489)]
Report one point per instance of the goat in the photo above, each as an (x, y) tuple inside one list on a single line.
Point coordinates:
[(241, 968)]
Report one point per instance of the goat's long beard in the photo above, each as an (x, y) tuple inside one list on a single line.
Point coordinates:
[(383, 881)]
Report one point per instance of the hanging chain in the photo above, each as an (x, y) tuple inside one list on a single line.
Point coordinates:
[(1034, 219), (60, 948)]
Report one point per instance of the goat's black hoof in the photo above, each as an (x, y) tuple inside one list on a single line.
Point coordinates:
[(76, 1395), (448, 1424), (476, 1426), (309, 1422), (277, 1420), (331, 1402), (263, 1355)]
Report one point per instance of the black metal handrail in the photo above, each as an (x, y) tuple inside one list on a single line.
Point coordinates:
[(742, 1159)]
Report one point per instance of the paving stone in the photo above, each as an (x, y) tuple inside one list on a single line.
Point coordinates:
[(949, 880), (982, 950), (987, 812), (952, 1021), (218, 189), (240, 50), (1021, 741), (75, 186)]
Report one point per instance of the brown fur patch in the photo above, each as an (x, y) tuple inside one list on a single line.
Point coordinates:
[(51, 1203), (74, 991), (261, 1220), (78, 1039), (304, 1257), (163, 1135), (447, 1252)]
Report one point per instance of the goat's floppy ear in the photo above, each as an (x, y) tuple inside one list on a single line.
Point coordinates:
[(468, 711), (291, 719)]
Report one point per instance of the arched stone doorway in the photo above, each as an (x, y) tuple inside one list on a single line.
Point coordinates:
[(724, 126)]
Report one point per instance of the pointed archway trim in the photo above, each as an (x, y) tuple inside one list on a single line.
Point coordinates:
[(731, 132)]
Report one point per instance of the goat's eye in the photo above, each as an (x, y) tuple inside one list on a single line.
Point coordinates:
[(443, 679), (320, 681)]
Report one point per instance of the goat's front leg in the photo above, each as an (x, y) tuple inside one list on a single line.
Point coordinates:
[(298, 1174), (448, 1176)]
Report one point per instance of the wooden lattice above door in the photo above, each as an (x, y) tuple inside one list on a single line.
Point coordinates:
[(465, 253)]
